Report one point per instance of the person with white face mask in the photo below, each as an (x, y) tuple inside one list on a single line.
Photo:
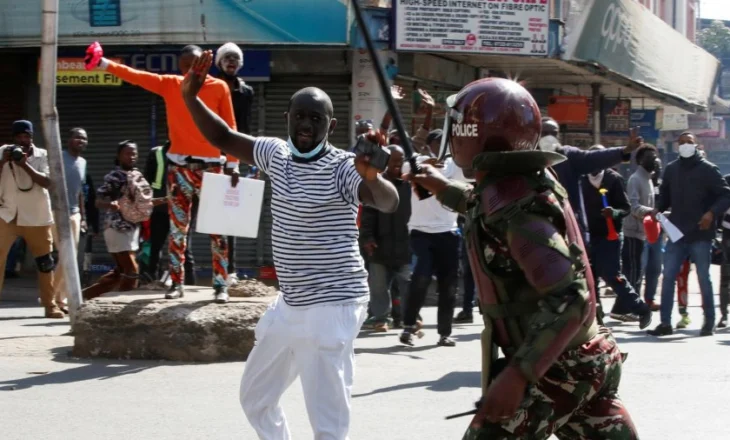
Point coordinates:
[(697, 194)]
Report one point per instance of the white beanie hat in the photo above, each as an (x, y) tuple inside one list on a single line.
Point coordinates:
[(226, 49)]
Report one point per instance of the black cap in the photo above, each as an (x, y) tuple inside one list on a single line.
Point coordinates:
[(434, 135), (22, 126)]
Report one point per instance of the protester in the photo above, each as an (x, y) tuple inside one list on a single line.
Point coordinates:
[(653, 257), (190, 156), (229, 61), (120, 235), (154, 172), (25, 208), (562, 370), (435, 240), (74, 167), (604, 250), (310, 328), (695, 210), (387, 244), (581, 162), (640, 189)]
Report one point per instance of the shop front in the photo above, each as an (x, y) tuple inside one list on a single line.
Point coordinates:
[(601, 58)]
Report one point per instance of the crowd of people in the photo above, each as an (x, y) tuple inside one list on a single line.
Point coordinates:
[(355, 246)]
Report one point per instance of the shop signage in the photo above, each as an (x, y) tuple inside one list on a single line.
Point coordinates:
[(183, 22), (626, 39), (616, 116), (473, 26), (568, 109), (646, 121), (368, 102), (71, 72)]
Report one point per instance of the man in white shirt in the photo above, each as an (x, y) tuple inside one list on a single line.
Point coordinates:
[(25, 208), (309, 330), (435, 241)]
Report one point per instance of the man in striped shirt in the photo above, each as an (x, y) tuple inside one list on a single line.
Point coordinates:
[(310, 328)]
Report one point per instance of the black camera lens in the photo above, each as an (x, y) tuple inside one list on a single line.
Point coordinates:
[(17, 154)]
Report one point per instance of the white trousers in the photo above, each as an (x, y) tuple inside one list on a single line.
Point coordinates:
[(315, 343)]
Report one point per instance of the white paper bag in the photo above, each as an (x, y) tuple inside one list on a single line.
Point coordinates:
[(672, 231), (224, 210)]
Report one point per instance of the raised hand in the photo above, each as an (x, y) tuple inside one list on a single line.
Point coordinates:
[(397, 92), (195, 78), (426, 99)]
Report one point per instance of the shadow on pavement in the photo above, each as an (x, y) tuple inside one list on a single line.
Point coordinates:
[(87, 369), (450, 382)]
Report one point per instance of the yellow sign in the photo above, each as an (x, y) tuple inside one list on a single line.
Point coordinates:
[(71, 72)]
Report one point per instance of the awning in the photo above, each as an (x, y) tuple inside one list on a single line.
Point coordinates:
[(623, 41)]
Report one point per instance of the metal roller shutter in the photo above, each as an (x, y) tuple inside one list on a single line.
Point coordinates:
[(278, 93), (109, 115), (246, 248)]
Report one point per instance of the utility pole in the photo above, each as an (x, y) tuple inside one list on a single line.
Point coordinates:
[(51, 132)]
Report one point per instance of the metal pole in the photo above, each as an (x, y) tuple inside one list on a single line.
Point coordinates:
[(51, 132), (596, 87)]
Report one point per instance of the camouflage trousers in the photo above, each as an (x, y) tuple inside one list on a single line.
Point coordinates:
[(576, 399)]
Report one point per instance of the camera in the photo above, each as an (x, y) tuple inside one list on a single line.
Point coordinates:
[(17, 154)]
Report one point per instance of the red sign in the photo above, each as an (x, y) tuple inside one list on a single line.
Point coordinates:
[(569, 109)]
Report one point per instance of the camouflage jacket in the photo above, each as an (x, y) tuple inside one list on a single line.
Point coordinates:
[(529, 271)]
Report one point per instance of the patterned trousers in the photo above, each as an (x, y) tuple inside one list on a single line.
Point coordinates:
[(576, 400), (183, 183)]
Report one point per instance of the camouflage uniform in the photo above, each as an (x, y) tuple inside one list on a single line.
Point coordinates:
[(542, 311)]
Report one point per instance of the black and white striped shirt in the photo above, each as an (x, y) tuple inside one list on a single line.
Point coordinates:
[(314, 234)]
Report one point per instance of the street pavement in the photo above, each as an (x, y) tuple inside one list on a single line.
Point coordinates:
[(675, 388)]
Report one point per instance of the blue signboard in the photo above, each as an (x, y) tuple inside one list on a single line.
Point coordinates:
[(104, 13), (378, 22), (164, 60), (646, 121), (321, 22)]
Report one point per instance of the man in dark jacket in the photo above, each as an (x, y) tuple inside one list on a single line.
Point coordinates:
[(229, 60), (725, 267), (386, 242), (155, 173), (698, 196), (581, 162), (605, 249)]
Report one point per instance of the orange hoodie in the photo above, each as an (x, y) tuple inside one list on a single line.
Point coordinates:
[(185, 138)]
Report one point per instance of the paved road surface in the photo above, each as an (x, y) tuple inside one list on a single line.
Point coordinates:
[(676, 389)]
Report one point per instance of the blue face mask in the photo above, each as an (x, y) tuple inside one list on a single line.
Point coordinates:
[(315, 151)]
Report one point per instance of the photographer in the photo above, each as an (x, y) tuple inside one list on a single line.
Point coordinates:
[(25, 208)]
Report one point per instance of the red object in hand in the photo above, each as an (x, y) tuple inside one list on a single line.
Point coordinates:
[(652, 228), (94, 53), (612, 234)]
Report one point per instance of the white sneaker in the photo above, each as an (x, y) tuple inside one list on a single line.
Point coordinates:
[(232, 279)]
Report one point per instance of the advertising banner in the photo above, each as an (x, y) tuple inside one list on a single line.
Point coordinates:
[(368, 102), (646, 121), (71, 72), (616, 116), (628, 40), (473, 26), (180, 22)]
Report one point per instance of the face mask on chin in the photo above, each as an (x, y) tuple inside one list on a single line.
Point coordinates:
[(549, 143), (687, 150), (308, 155)]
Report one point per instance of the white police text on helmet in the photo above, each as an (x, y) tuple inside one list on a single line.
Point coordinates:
[(616, 28), (465, 130)]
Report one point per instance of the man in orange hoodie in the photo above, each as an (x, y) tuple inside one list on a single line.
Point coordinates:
[(190, 155)]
